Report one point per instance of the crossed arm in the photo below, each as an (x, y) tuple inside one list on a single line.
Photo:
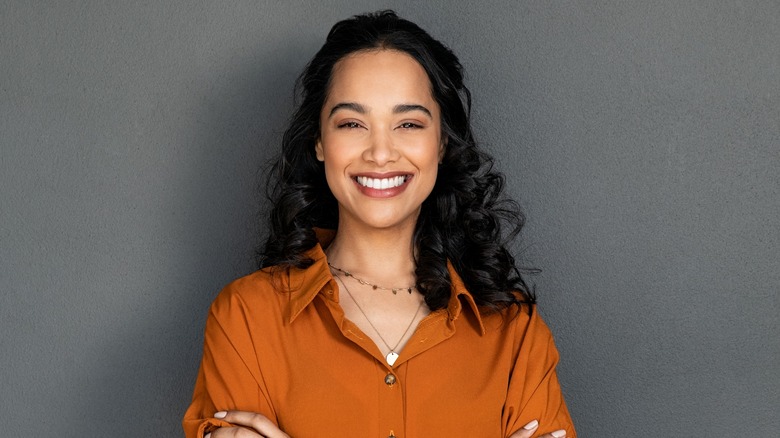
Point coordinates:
[(253, 425)]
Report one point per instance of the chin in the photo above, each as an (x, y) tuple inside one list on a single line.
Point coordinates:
[(389, 222)]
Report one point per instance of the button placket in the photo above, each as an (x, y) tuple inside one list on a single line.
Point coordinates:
[(391, 401)]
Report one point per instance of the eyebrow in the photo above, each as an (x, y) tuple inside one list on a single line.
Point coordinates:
[(358, 108), (398, 109), (405, 108)]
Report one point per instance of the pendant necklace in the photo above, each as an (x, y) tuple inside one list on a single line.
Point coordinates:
[(394, 290), (392, 356)]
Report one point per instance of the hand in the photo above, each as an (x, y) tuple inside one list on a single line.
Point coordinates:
[(528, 430), (251, 425)]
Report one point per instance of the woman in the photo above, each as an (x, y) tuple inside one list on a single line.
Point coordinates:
[(410, 319)]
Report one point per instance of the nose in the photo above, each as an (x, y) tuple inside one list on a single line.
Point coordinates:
[(381, 148)]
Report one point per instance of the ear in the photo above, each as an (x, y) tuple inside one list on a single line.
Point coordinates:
[(318, 150)]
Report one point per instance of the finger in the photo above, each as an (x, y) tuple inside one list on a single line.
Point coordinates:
[(557, 434), (233, 432), (527, 431), (260, 423)]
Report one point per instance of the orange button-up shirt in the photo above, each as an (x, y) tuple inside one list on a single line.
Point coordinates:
[(279, 344)]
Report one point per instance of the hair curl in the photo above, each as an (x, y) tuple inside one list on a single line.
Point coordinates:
[(465, 220)]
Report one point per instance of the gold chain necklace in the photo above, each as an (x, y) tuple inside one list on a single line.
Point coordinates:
[(392, 356), (394, 290)]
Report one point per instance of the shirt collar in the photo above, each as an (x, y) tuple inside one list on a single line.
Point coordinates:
[(459, 290), (305, 284)]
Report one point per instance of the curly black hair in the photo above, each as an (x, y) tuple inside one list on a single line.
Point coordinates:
[(465, 220)]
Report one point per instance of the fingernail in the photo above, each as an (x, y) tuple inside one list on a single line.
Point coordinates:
[(220, 414), (532, 425), (559, 433), (208, 435)]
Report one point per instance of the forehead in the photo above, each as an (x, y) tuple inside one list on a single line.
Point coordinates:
[(389, 72)]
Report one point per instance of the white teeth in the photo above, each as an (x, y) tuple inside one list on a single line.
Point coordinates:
[(381, 183)]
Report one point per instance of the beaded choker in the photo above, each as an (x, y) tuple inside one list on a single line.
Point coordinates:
[(394, 290)]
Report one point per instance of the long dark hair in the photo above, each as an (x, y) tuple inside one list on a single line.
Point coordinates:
[(465, 220)]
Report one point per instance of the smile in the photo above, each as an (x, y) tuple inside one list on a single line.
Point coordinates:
[(382, 183)]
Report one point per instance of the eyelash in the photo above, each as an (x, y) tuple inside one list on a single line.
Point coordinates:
[(355, 125), (349, 125)]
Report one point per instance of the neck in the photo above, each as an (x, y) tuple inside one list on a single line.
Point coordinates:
[(385, 257)]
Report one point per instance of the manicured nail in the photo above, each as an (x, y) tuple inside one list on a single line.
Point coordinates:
[(220, 414), (532, 425), (559, 433), (208, 435)]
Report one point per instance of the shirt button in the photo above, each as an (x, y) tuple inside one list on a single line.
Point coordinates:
[(390, 379)]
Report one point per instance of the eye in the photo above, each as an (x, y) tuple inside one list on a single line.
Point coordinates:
[(349, 125), (410, 125)]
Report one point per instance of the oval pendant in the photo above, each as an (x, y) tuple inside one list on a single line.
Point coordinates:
[(391, 357)]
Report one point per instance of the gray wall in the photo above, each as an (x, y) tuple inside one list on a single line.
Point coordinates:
[(642, 139)]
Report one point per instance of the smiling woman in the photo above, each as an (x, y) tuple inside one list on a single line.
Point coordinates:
[(381, 188)]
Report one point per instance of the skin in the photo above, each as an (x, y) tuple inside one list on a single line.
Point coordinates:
[(379, 120)]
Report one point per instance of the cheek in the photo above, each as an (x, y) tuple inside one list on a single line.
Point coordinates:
[(335, 168), (430, 157), (429, 168)]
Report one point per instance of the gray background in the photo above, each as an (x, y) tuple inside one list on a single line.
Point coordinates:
[(642, 139)]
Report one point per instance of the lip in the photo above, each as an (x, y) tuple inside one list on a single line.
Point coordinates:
[(382, 193)]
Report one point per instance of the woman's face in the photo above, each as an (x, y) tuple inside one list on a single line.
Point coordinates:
[(380, 139)]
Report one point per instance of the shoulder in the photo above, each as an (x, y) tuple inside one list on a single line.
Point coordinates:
[(254, 292), (523, 325), (272, 293), (528, 323), (534, 336), (529, 320)]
